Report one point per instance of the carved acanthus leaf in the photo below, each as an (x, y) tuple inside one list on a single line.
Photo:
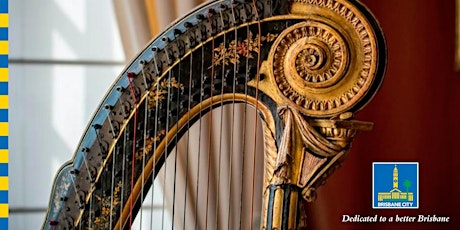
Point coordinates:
[(282, 159)]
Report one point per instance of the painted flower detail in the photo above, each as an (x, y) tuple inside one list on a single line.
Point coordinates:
[(61, 191), (158, 91), (271, 37), (108, 205), (236, 48), (147, 150), (242, 49)]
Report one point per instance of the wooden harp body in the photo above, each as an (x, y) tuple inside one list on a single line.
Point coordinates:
[(306, 66)]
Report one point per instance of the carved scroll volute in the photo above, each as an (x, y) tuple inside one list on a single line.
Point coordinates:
[(319, 71)]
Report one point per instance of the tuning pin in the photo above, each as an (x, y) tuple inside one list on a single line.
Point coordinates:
[(188, 25), (211, 12), (177, 32), (53, 222), (108, 107), (120, 89), (165, 39), (200, 17)]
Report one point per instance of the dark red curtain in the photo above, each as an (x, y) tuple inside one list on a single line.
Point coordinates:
[(417, 118)]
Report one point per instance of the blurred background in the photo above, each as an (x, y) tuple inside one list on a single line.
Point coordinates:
[(416, 115), (65, 54)]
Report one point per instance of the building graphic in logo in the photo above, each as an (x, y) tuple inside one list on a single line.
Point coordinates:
[(395, 185)]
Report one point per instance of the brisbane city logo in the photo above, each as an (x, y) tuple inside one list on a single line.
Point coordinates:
[(395, 185)]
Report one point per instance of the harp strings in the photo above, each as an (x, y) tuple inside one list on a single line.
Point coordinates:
[(134, 140), (112, 188), (144, 135), (259, 30), (210, 125), (232, 129), (199, 138), (165, 151), (222, 83), (155, 121), (214, 173), (90, 213), (187, 149), (123, 171), (176, 142)]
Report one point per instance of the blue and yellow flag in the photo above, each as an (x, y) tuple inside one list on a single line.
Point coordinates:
[(3, 114)]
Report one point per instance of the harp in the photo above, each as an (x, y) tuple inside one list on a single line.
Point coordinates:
[(304, 66)]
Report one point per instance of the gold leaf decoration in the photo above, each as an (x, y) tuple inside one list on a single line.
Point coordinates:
[(145, 151), (236, 49), (158, 92), (103, 221)]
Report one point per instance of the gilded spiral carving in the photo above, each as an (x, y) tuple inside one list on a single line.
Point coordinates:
[(313, 54), (326, 65)]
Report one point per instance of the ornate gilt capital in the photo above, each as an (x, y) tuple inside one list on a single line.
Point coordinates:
[(320, 71)]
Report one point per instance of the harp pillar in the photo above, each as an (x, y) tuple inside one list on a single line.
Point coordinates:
[(319, 72)]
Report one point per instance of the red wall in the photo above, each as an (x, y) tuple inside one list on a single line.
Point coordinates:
[(417, 118)]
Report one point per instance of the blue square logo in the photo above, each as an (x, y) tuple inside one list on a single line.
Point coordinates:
[(395, 185)]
